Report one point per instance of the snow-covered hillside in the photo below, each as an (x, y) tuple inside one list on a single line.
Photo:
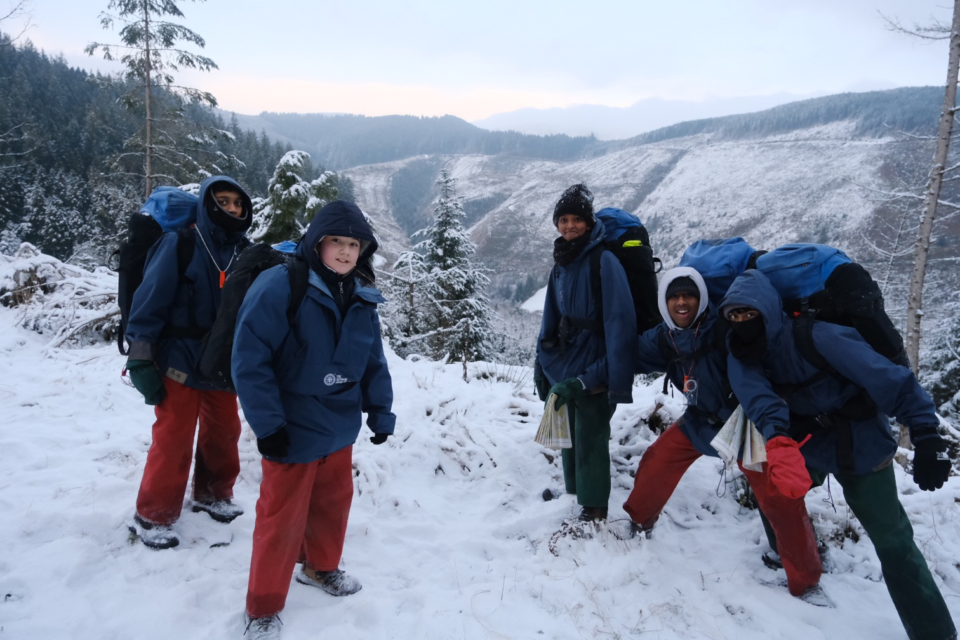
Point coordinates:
[(449, 531)]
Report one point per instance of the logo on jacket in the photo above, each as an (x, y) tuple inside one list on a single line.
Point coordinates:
[(334, 378)]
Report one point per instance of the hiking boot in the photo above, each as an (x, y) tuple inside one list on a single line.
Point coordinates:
[(589, 514), (817, 597), (628, 530), (266, 628), (772, 559), (336, 582), (220, 510), (155, 536)]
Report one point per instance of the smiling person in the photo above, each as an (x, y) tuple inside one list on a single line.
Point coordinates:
[(303, 386), (168, 318), (580, 327), (689, 347)]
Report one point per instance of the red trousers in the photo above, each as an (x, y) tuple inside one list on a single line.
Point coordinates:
[(301, 515), (168, 460), (667, 459)]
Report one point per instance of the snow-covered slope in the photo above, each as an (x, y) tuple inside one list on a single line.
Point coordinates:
[(449, 532)]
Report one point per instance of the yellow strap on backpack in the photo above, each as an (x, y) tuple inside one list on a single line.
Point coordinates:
[(633, 243)]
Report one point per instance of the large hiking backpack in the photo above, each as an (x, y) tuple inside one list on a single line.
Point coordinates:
[(817, 282), (217, 355), (627, 239), (167, 209), (719, 262)]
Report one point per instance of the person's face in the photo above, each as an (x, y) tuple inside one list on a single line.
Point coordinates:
[(742, 314), (340, 253), (683, 309), (230, 201), (571, 227)]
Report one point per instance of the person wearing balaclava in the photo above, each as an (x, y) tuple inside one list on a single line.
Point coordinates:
[(688, 346), (835, 419), (168, 318), (304, 387), (587, 317)]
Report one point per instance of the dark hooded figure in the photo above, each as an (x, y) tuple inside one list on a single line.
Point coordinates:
[(817, 422), (304, 387), (168, 317), (581, 326)]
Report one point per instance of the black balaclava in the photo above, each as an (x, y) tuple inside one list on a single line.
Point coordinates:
[(749, 339), (223, 219)]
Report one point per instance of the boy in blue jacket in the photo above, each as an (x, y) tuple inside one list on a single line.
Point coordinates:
[(687, 347), (303, 387), (836, 421), (168, 318)]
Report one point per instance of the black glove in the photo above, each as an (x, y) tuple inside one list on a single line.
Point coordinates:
[(147, 380), (931, 463), (566, 391), (275, 445), (541, 384), (379, 438)]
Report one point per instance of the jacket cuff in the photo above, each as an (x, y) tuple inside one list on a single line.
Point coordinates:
[(140, 350), (620, 397), (381, 422), (589, 381), (919, 434)]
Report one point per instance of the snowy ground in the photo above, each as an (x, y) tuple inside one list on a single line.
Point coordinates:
[(449, 532)]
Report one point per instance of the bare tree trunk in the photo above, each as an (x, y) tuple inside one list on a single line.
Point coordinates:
[(915, 301), (466, 345), (148, 140)]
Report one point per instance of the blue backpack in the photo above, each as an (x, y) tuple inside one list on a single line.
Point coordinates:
[(167, 209), (719, 262)]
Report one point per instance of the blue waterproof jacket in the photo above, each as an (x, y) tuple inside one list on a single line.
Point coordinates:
[(893, 388), (570, 292), (316, 376), (163, 301)]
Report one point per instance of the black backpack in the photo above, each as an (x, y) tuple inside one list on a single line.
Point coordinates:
[(217, 355)]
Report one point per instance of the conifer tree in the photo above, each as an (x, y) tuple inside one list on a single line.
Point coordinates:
[(151, 52), (292, 199), (460, 317)]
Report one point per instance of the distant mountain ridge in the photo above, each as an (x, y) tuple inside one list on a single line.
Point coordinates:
[(340, 141)]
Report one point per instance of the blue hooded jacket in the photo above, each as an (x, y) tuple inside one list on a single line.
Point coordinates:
[(893, 388), (692, 354), (570, 293), (162, 300), (316, 376)]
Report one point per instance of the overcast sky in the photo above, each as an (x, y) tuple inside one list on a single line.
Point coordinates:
[(475, 59)]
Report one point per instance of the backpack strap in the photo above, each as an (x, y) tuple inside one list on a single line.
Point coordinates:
[(186, 246), (596, 284), (298, 272)]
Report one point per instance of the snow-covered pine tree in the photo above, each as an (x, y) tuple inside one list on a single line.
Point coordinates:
[(460, 313), (405, 315), (292, 199)]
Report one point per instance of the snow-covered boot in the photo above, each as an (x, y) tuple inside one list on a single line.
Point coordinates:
[(220, 510), (155, 536), (336, 582), (266, 628), (772, 559), (589, 514), (817, 597)]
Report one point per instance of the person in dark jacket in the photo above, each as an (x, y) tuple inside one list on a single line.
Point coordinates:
[(577, 331), (836, 421), (686, 346), (303, 387), (168, 318)]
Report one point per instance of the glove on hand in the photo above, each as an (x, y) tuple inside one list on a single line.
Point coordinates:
[(379, 438), (786, 469), (566, 391), (541, 384), (147, 380), (931, 463), (275, 445)]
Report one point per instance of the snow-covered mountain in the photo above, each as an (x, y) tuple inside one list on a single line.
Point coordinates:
[(823, 184)]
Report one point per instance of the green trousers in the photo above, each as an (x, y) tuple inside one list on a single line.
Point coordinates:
[(586, 466), (874, 501)]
